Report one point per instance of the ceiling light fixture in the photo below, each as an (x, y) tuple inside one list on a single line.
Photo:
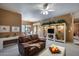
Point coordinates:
[(46, 8), (44, 12)]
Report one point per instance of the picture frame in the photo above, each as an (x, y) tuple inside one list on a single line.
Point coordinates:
[(4, 28), (15, 29)]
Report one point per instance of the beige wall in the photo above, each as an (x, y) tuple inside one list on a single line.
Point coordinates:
[(27, 23), (11, 19), (76, 21)]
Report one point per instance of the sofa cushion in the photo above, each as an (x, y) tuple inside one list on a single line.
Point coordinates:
[(32, 48), (25, 44), (34, 41), (35, 44), (26, 39), (29, 37), (23, 39), (29, 42), (34, 37)]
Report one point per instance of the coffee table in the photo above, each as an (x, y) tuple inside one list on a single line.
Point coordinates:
[(47, 52)]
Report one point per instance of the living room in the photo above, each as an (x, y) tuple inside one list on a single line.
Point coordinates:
[(32, 29)]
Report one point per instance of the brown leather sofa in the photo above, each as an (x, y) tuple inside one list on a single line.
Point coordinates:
[(30, 45)]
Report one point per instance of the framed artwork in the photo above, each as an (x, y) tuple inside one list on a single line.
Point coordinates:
[(15, 29), (4, 28)]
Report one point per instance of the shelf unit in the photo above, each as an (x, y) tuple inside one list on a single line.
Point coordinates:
[(54, 26)]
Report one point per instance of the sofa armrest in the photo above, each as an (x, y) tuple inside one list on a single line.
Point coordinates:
[(25, 49)]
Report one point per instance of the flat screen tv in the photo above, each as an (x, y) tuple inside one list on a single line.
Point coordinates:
[(50, 30)]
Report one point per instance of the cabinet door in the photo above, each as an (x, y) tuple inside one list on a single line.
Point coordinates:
[(60, 33)]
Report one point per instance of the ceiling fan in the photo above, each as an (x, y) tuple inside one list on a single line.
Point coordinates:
[(46, 8)]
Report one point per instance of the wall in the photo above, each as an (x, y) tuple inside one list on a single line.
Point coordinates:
[(69, 27), (27, 23), (76, 21), (11, 19)]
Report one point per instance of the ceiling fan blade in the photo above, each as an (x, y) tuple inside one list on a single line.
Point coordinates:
[(47, 7), (51, 10), (41, 9)]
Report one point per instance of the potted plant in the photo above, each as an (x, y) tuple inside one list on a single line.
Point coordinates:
[(61, 21)]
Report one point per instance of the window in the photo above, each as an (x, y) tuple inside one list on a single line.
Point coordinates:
[(26, 29)]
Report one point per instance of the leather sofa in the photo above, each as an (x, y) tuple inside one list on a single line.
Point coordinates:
[(30, 45)]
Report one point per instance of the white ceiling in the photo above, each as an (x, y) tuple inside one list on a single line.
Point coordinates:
[(31, 11)]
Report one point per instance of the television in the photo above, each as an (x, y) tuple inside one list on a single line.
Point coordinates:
[(50, 30)]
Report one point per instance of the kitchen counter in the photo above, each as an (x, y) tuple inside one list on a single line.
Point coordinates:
[(7, 38)]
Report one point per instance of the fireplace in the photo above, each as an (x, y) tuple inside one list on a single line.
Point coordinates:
[(51, 34)]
